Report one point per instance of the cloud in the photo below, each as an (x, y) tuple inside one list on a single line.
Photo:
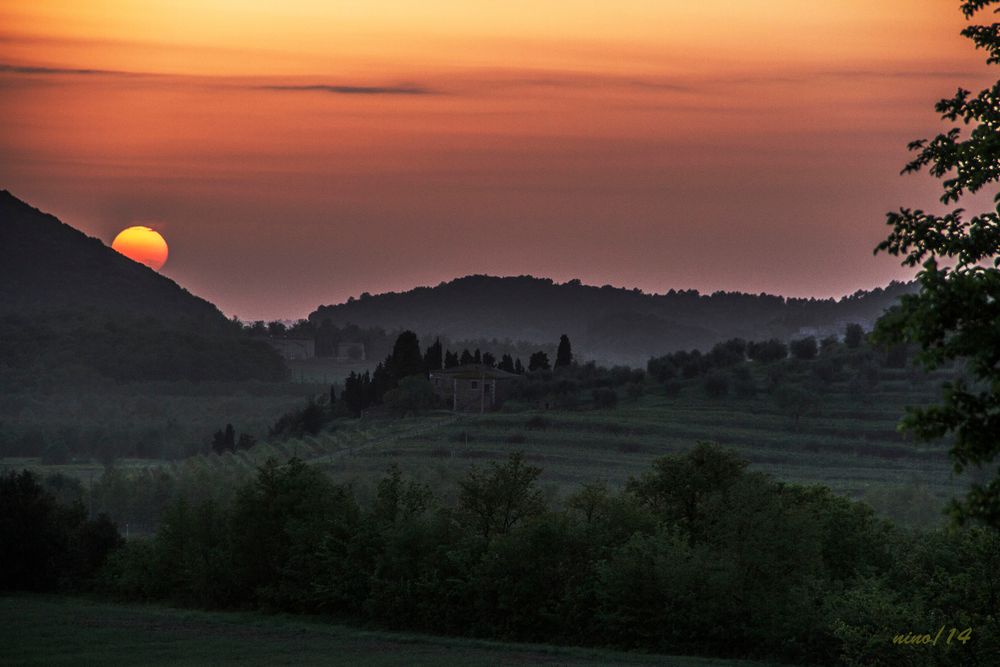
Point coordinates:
[(32, 69), (351, 90), (221, 82), (492, 82)]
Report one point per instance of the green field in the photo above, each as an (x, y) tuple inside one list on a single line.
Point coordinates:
[(847, 441), (37, 630)]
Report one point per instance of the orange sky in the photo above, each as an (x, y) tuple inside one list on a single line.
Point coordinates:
[(295, 153)]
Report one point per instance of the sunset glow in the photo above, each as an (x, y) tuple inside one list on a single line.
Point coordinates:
[(143, 245), (370, 146)]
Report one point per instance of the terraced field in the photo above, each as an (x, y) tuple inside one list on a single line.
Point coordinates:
[(853, 452), (848, 442)]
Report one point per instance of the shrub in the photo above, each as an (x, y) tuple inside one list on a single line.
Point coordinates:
[(853, 336), (716, 385), (743, 382), (604, 398), (804, 348), (413, 394), (537, 423), (767, 351)]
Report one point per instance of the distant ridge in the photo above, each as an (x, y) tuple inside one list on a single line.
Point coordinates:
[(71, 309), (611, 324)]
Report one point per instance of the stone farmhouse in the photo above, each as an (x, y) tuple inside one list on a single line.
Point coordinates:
[(473, 387)]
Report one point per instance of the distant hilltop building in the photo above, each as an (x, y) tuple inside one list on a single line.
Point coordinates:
[(473, 387), (351, 352), (294, 348)]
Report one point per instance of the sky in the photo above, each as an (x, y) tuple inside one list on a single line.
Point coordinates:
[(296, 153)]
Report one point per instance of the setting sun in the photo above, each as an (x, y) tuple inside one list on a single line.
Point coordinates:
[(143, 245)]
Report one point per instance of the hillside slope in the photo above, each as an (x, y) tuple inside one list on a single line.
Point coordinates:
[(73, 308)]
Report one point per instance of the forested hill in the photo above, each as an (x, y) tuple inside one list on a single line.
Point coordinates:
[(71, 308), (605, 323)]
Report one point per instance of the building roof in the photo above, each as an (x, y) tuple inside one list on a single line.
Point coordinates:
[(474, 372)]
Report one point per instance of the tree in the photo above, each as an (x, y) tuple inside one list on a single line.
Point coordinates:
[(954, 315), (46, 546), (853, 335), (406, 359), (564, 355), (794, 402), (451, 359), (506, 363), (466, 358), (804, 348), (357, 392), (497, 500), (518, 366), (433, 358), (224, 441), (539, 361), (382, 381), (679, 485), (726, 354), (767, 351), (397, 500), (604, 397)]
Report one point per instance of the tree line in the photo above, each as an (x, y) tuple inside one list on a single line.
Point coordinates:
[(698, 555), (406, 362)]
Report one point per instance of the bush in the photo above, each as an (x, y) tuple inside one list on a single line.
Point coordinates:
[(727, 354), (537, 423), (310, 420), (634, 390), (743, 382), (853, 336), (804, 348), (767, 351), (794, 401), (716, 385), (604, 398), (413, 394), (826, 370)]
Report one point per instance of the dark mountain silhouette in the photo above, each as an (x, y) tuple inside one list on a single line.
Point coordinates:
[(609, 324), (73, 308)]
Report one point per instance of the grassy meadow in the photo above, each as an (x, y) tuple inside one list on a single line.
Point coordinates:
[(49, 630)]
